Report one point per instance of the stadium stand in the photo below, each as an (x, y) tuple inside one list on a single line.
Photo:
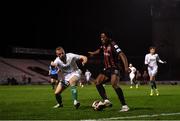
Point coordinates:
[(35, 70)]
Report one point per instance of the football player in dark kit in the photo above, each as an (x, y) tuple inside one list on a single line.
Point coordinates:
[(111, 52)]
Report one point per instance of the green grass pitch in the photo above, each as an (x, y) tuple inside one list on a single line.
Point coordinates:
[(36, 102)]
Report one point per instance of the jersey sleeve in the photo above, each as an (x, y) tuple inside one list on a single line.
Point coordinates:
[(159, 60), (56, 61), (75, 56), (146, 61), (116, 47)]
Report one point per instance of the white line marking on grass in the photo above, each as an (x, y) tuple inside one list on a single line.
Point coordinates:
[(137, 116), (142, 116)]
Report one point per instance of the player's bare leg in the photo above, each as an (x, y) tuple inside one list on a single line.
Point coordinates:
[(74, 92), (119, 92), (53, 83), (59, 89), (99, 85)]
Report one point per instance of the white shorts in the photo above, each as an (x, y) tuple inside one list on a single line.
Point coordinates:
[(67, 77), (131, 76), (87, 78), (153, 70)]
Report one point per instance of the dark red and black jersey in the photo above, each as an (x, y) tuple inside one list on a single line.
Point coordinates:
[(110, 52)]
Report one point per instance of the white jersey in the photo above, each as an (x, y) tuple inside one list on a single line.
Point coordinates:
[(151, 60), (132, 73), (88, 74), (70, 65), (133, 70)]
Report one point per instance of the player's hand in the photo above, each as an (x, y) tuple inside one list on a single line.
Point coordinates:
[(91, 53), (164, 62), (52, 63)]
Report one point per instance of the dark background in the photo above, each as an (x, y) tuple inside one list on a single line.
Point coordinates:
[(76, 24)]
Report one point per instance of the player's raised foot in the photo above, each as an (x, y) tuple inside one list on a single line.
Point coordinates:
[(157, 92), (107, 103), (131, 87), (58, 105), (76, 104), (124, 108)]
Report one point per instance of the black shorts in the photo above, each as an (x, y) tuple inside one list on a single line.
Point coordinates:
[(110, 71), (54, 76)]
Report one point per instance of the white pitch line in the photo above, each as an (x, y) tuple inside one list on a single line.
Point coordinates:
[(133, 117), (142, 116)]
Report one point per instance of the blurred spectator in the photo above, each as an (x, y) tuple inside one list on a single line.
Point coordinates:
[(29, 80), (145, 77), (24, 78), (138, 77), (12, 81)]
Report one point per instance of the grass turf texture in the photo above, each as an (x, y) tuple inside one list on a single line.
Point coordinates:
[(36, 102)]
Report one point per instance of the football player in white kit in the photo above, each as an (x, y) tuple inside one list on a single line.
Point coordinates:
[(88, 75), (70, 74), (132, 75), (151, 60)]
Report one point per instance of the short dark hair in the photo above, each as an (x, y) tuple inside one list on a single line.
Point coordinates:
[(59, 48), (107, 33), (152, 47)]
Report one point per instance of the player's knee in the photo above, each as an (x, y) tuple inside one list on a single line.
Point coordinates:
[(114, 85), (57, 92), (96, 82)]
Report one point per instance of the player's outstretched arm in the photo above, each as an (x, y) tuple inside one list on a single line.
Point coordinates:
[(125, 61), (160, 61), (94, 52), (163, 62)]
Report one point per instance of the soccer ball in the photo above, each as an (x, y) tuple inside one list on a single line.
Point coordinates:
[(98, 105)]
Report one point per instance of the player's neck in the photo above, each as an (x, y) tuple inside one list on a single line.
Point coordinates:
[(152, 53), (64, 60)]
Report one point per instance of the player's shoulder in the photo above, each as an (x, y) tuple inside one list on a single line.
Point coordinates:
[(57, 59), (71, 55), (116, 46), (113, 43), (156, 54), (148, 54)]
